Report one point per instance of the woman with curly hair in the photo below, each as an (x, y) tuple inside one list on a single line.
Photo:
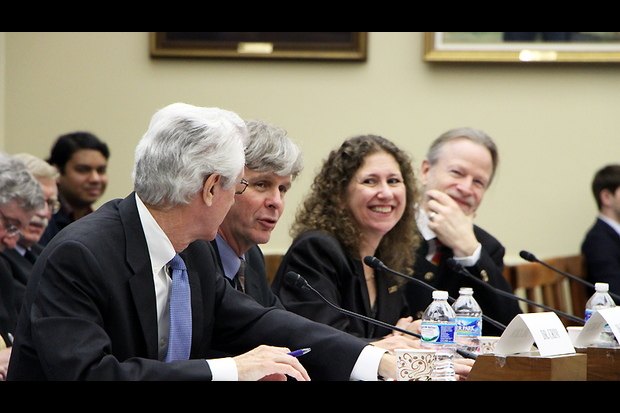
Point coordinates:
[(361, 204)]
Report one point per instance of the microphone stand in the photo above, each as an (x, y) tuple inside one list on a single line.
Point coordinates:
[(460, 269), (528, 256), (376, 264)]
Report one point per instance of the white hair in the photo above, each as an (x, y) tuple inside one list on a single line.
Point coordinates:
[(183, 145)]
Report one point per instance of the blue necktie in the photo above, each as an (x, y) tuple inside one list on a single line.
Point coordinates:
[(180, 340)]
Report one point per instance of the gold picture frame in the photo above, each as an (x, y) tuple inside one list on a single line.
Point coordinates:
[(523, 47), (261, 45)]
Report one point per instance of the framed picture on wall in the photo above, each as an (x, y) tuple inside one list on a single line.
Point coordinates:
[(261, 45), (525, 47)]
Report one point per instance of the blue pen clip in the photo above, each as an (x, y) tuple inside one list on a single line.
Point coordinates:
[(299, 352)]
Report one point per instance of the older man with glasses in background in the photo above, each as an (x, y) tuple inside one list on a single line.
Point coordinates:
[(20, 197), (22, 257)]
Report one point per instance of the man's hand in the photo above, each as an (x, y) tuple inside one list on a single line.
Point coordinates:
[(449, 222), (269, 363), (5, 355)]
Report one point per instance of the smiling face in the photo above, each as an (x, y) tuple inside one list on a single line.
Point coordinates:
[(84, 178), (33, 232), (256, 212), (463, 171), (376, 195)]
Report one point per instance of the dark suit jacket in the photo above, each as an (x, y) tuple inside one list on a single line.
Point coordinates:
[(322, 261), (601, 250), (256, 282), (8, 311), (59, 221), (90, 313), (489, 268), (20, 268)]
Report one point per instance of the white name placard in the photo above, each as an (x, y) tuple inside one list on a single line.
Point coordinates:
[(594, 326), (543, 329)]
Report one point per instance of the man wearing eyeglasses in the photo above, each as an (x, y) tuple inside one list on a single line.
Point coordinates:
[(272, 161), (20, 197), (21, 258)]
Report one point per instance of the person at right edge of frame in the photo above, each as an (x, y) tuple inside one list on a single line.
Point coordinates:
[(601, 244), (455, 174)]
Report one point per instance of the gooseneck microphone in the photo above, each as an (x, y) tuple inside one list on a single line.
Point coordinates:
[(376, 264), (461, 270), (528, 256), (298, 282)]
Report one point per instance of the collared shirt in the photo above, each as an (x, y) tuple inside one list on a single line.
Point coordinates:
[(20, 249), (229, 258), (614, 224), (161, 252), (430, 236)]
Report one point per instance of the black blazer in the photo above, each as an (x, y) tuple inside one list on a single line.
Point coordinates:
[(601, 250), (90, 313), (322, 261), (489, 268), (20, 268), (8, 310), (256, 282)]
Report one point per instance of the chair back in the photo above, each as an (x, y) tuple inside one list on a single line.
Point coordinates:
[(540, 284)]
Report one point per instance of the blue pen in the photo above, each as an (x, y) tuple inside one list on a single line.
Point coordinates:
[(299, 352)]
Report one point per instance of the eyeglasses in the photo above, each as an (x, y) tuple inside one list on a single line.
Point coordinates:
[(245, 184), (54, 205), (10, 229)]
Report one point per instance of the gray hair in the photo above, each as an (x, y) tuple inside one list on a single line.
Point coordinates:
[(474, 135), (270, 150), (183, 145), (37, 166), (17, 184)]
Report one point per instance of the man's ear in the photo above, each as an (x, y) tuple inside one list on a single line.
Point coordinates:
[(606, 197), (208, 189), (424, 168)]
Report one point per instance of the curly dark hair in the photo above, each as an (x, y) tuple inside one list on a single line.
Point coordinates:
[(323, 207)]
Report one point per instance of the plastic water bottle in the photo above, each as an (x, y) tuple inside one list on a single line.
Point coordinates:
[(438, 333), (599, 301), (468, 321)]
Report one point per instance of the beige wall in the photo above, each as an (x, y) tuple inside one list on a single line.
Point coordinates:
[(555, 124)]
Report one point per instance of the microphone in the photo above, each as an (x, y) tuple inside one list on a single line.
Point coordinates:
[(528, 256), (298, 282), (376, 264), (461, 270)]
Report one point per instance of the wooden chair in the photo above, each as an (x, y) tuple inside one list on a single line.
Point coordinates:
[(540, 284), (272, 262), (579, 293)]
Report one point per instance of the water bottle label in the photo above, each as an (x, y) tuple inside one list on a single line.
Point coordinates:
[(438, 333), (469, 326)]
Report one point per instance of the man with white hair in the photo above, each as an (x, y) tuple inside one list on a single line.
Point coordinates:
[(22, 257), (20, 197)]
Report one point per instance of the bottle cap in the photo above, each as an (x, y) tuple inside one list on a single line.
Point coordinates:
[(601, 287), (466, 290), (440, 295)]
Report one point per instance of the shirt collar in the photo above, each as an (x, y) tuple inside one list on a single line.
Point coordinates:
[(160, 248), (422, 221), (614, 224), (230, 260)]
